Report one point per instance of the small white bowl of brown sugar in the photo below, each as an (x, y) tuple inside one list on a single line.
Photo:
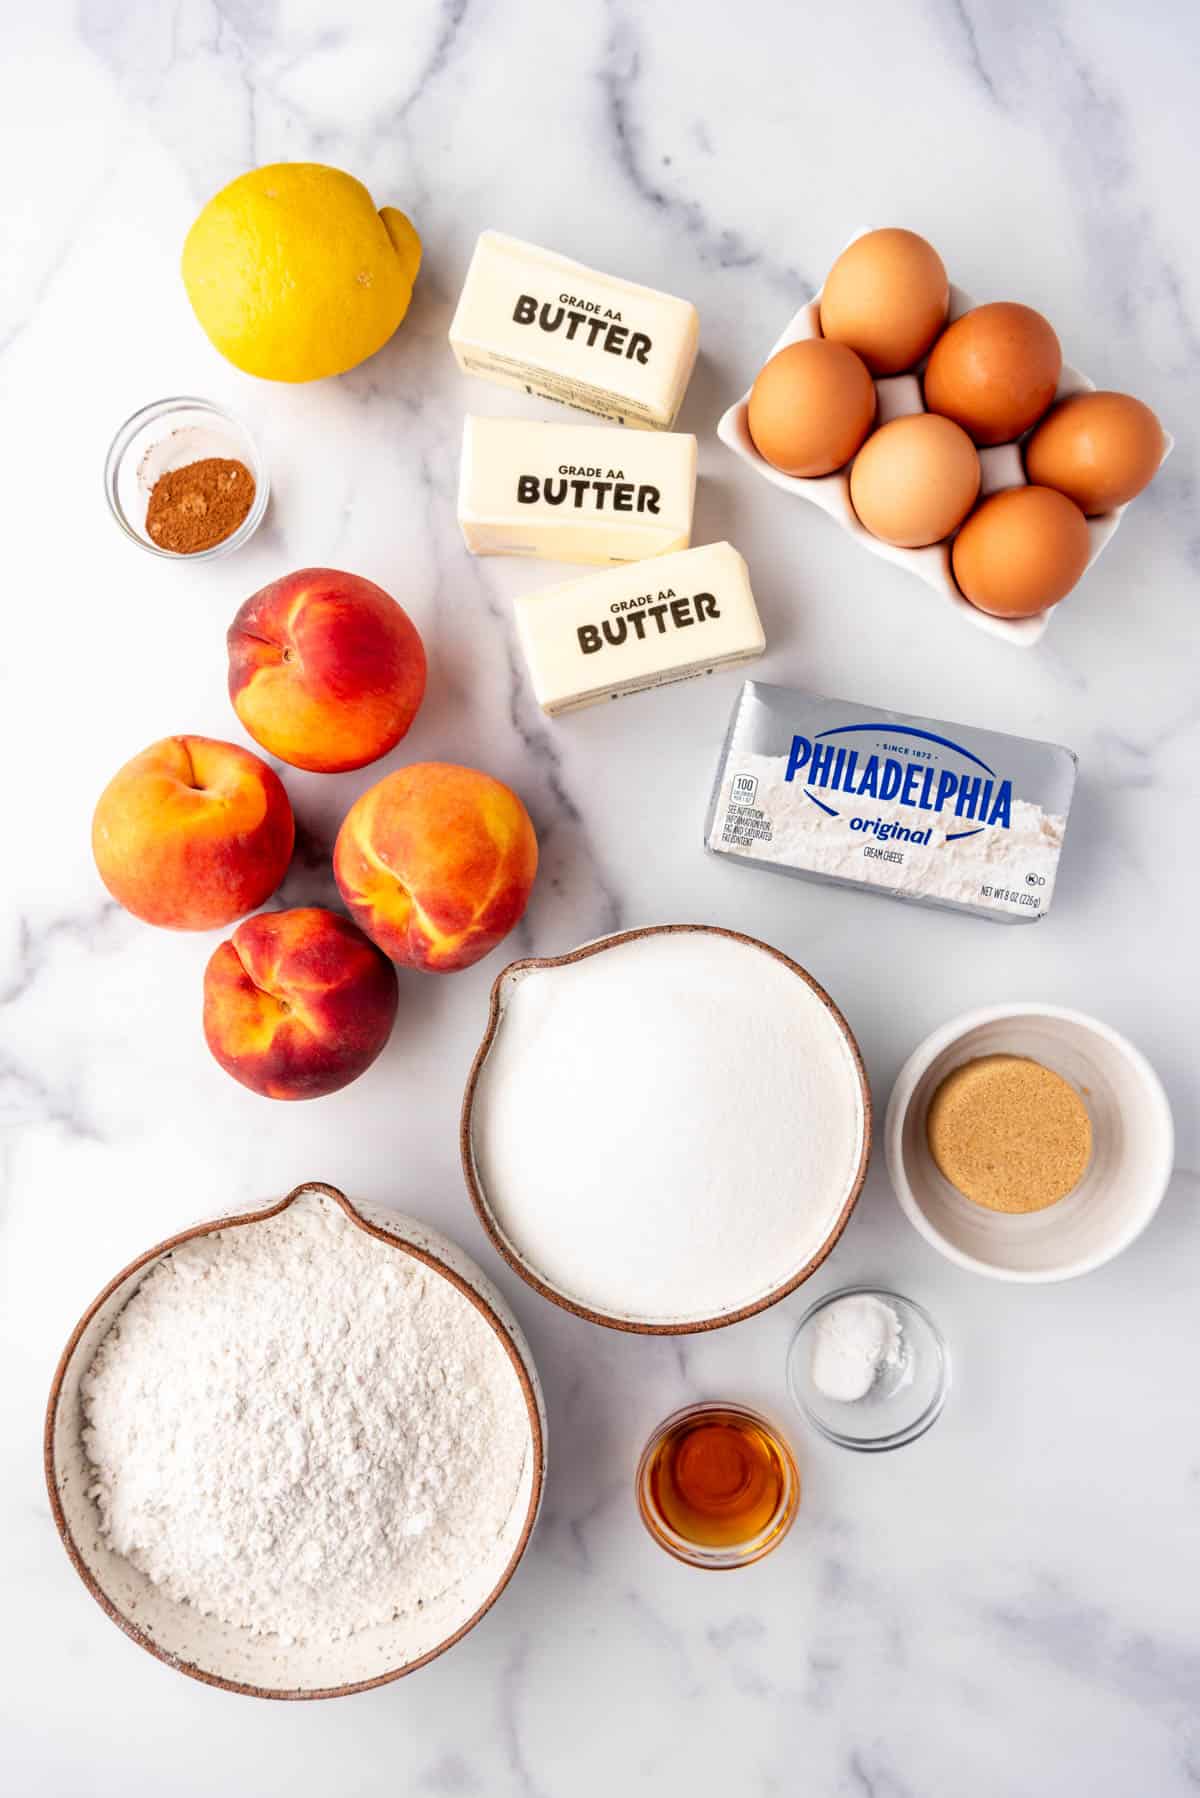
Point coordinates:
[(1028, 1142)]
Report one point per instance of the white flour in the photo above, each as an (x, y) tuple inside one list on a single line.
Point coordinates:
[(297, 1429), (668, 1129), (802, 836)]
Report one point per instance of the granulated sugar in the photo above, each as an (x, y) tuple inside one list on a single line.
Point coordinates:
[(668, 1129), (299, 1429)]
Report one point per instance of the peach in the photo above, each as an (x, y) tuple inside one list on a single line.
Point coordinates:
[(298, 1003), (193, 833), (435, 862), (326, 671)]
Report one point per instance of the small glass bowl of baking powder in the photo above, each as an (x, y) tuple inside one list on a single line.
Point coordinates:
[(868, 1369), (167, 436)]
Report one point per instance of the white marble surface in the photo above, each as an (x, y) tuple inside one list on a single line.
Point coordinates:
[(1008, 1607)]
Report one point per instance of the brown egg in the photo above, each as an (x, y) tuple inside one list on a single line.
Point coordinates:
[(994, 371), (914, 480), (886, 297), (1021, 552), (1100, 449), (811, 407)]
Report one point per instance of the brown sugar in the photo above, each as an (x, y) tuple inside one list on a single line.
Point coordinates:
[(1010, 1134), (197, 507)]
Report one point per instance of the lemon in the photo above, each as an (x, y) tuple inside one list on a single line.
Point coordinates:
[(294, 274)]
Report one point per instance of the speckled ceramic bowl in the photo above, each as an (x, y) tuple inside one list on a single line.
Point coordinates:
[(222, 1654), (807, 1257)]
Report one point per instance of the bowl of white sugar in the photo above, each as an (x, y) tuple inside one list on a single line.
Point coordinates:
[(667, 1129), (297, 1451)]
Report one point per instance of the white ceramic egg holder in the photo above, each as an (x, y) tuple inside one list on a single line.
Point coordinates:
[(900, 395)]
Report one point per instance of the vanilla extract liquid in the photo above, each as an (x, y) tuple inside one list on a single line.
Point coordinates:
[(718, 1477)]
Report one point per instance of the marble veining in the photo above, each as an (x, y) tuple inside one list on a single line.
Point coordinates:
[(1010, 1603)]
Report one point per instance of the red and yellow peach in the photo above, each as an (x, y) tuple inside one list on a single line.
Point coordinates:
[(298, 1003), (326, 671), (193, 833), (435, 862)]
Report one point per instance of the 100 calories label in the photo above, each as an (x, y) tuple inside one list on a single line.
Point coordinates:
[(942, 814)]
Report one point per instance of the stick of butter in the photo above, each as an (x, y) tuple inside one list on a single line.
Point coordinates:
[(644, 625), (528, 318), (574, 493)]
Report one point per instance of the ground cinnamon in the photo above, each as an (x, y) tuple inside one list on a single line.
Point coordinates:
[(193, 508)]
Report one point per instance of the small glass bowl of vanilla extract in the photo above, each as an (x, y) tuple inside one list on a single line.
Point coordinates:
[(717, 1486)]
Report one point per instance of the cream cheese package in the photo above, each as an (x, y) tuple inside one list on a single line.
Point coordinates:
[(574, 493), (643, 625), (940, 814), (529, 318)]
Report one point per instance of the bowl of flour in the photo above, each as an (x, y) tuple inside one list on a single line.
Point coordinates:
[(297, 1451), (665, 1130)]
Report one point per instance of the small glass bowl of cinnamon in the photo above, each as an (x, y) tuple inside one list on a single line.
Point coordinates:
[(185, 480)]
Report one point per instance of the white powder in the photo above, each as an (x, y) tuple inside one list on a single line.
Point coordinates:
[(298, 1429), (785, 827), (854, 1339), (668, 1129)]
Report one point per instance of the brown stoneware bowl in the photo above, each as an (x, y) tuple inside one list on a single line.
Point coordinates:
[(790, 1278), (222, 1654)]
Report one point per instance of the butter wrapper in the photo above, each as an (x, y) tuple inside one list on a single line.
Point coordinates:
[(574, 493), (914, 808), (530, 318), (647, 624)]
